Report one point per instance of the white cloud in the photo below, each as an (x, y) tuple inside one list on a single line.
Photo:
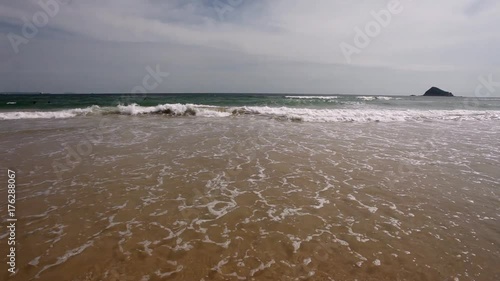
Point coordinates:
[(435, 37)]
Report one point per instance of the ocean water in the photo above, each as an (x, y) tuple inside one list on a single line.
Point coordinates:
[(253, 187), (290, 107)]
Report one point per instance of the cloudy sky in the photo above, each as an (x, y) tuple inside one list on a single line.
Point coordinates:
[(284, 46)]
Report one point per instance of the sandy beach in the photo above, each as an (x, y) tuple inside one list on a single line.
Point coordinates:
[(253, 198)]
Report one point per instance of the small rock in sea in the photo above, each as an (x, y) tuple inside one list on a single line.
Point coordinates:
[(436, 92)]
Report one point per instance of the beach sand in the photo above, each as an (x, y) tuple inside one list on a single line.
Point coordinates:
[(252, 198)]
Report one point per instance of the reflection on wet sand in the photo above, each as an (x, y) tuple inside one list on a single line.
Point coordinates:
[(221, 199)]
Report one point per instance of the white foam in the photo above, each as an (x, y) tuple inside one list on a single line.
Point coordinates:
[(366, 98), (167, 274), (157, 214), (370, 208), (35, 261), (387, 98), (182, 246), (211, 113), (321, 203), (224, 245), (146, 250), (286, 113), (66, 256), (370, 98), (47, 114), (296, 242), (261, 267), (220, 208), (313, 97), (368, 115), (174, 109), (133, 109)]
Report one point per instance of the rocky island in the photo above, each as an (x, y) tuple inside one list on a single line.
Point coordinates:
[(436, 92)]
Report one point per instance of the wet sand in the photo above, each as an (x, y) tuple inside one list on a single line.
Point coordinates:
[(158, 198)]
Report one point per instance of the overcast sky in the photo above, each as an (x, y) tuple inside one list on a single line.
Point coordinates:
[(284, 46)]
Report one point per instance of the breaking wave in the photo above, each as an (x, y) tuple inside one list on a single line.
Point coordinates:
[(329, 98), (280, 113), (367, 115), (371, 98), (68, 113), (312, 97)]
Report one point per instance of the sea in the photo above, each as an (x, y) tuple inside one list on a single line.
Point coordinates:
[(251, 187)]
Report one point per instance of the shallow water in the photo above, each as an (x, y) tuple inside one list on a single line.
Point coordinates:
[(253, 198)]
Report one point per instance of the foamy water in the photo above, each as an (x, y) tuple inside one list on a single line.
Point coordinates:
[(247, 196), (281, 113)]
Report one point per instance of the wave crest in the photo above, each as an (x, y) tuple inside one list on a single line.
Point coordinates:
[(312, 97), (279, 113)]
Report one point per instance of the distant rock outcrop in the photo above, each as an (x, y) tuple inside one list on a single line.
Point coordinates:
[(436, 92)]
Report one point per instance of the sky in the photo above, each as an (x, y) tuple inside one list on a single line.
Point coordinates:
[(379, 47)]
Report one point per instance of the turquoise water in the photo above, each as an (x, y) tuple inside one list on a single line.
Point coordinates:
[(68, 101), (307, 108)]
